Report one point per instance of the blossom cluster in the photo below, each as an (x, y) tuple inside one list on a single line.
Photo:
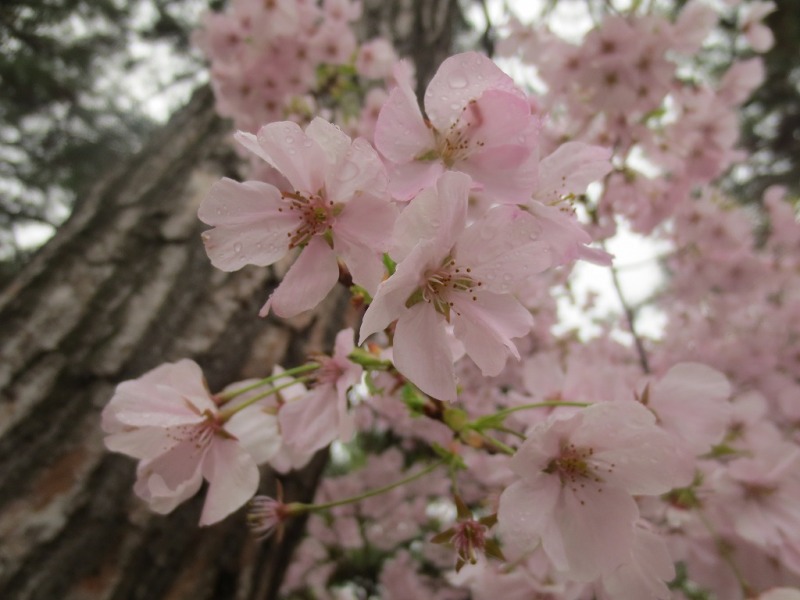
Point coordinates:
[(558, 467)]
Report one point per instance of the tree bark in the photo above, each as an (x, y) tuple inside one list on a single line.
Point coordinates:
[(124, 286)]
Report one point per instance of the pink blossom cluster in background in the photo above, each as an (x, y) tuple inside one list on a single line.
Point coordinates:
[(480, 449)]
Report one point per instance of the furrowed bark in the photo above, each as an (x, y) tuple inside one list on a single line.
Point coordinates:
[(124, 286)]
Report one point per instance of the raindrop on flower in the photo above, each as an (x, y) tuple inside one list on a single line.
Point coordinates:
[(458, 81)]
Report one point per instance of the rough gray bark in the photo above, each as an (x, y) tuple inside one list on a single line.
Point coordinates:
[(124, 286)]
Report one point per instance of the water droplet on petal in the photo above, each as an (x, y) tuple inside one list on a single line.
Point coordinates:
[(289, 139), (458, 81), (237, 248)]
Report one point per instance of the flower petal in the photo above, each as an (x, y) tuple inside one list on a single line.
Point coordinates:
[(422, 354), (400, 132), (460, 79), (306, 283), (299, 158), (486, 324), (232, 479)]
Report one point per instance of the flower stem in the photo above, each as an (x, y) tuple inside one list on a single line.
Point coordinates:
[(551, 403), (224, 397), (498, 444), (228, 413), (298, 508)]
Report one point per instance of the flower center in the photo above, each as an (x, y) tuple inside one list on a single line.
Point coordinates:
[(315, 214), (458, 143), (441, 283), (199, 434), (572, 465)]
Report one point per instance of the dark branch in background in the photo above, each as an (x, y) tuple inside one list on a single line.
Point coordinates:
[(487, 38), (630, 316)]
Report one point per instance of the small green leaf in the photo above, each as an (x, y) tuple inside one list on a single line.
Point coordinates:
[(492, 548), (390, 265)]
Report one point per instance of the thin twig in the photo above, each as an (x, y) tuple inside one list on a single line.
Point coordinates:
[(630, 315)]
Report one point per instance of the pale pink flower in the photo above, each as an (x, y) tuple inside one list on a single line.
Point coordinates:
[(337, 207), (478, 122), (313, 421), (643, 575), (693, 24), (757, 34), (375, 59), (169, 421), (691, 401), (759, 495), (578, 476), (458, 277)]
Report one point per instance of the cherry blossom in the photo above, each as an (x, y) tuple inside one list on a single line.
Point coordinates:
[(168, 420), (459, 277), (478, 122), (336, 207), (578, 476), (314, 420)]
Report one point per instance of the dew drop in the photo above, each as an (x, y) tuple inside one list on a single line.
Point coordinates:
[(458, 81), (237, 248), (289, 139)]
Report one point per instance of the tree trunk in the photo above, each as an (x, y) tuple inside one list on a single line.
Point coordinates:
[(124, 286)]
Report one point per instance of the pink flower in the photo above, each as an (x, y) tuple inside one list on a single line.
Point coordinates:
[(691, 401), (479, 122), (458, 277), (313, 421), (168, 420), (578, 476), (375, 59), (643, 575), (336, 207)]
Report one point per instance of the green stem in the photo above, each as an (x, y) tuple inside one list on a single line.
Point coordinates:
[(552, 403), (226, 396), (498, 444), (303, 508), (228, 413)]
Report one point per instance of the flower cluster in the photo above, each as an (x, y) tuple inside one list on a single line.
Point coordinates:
[(607, 467)]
